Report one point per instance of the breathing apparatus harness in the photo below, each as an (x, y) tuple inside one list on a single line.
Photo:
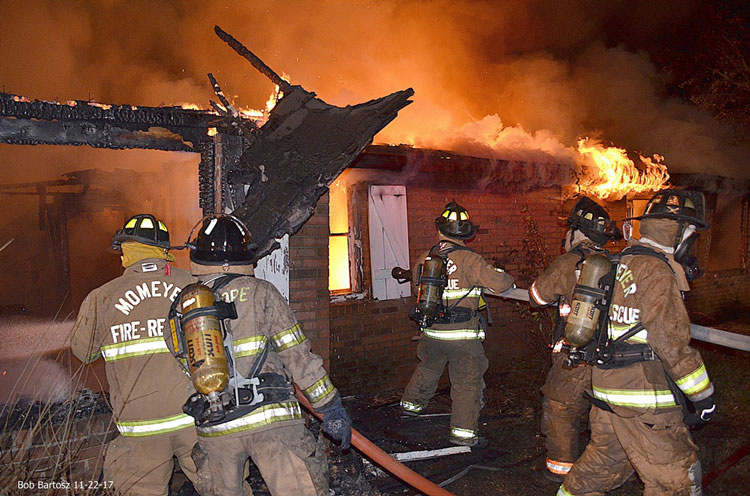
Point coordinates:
[(606, 353), (432, 279), (239, 395)]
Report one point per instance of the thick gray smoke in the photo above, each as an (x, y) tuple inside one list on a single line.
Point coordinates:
[(551, 71)]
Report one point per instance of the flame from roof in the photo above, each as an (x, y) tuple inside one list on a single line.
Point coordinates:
[(609, 174)]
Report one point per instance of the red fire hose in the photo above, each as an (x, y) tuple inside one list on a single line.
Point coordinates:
[(383, 459), (725, 465)]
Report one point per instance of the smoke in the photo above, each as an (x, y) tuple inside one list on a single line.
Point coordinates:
[(522, 78)]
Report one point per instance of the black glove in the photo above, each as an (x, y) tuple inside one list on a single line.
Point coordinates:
[(336, 423), (704, 410)]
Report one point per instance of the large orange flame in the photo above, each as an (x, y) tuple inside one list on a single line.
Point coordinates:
[(609, 174)]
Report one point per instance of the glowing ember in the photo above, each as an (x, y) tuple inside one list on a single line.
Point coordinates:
[(100, 105), (190, 106), (211, 131), (72, 103), (609, 174), (20, 99)]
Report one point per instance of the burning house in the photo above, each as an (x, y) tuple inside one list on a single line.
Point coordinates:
[(333, 213)]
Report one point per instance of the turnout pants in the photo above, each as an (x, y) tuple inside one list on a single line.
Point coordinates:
[(664, 456), (563, 406), (288, 458), (143, 465), (466, 367)]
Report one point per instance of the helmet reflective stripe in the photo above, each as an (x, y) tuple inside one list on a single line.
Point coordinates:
[(558, 467), (131, 223), (260, 417), (146, 223), (462, 433), (695, 381), (453, 294), (412, 407), (146, 346), (615, 331), (155, 426), (288, 338), (636, 397), (319, 390), (454, 334), (250, 346)]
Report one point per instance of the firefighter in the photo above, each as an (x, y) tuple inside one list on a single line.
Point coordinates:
[(123, 321), (646, 370), (266, 345), (455, 336), (564, 403)]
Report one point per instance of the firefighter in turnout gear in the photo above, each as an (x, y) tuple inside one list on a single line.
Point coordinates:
[(455, 334), (266, 349), (646, 372), (123, 321), (564, 402)]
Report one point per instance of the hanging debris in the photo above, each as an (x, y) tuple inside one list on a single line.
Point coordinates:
[(271, 175)]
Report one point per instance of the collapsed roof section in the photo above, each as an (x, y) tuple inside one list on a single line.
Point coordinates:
[(270, 176)]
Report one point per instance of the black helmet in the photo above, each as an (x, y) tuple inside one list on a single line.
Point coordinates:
[(676, 204), (143, 228), (222, 239), (592, 220), (454, 222)]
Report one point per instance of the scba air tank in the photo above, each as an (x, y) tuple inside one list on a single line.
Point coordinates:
[(431, 284), (203, 339), (583, 319)]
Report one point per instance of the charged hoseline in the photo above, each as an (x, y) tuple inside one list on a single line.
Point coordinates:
[(698, 332)]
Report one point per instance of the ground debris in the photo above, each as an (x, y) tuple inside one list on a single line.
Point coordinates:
[(25, 413)]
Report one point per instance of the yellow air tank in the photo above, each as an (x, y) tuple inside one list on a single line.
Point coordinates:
[(431, 284), (584, 316), (203, 338)]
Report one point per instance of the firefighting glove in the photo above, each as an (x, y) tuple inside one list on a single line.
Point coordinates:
[(704, 410), (336, 422)]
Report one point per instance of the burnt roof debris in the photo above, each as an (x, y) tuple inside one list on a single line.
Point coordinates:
[(270, 176)]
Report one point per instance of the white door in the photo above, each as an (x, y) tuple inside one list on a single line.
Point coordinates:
[(389, 240)]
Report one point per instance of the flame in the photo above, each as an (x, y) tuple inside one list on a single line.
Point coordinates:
[(212, 131), (190, 106), (101, 105), (609, 174)]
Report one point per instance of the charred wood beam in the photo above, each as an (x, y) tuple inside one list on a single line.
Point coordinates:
[(305, 144), (94, 134), (252, 58)]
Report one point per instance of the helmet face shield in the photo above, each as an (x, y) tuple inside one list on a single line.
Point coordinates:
[(142, 228), (221, 239)]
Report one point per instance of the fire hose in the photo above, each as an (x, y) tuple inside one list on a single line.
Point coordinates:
[(701, 333), (383, 459)]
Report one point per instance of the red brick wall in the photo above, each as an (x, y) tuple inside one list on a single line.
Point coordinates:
[(368, 345), (308, 279), (371, 341)]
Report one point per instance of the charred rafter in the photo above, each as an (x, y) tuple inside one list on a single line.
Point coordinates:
[(270, 176), (26, 122)]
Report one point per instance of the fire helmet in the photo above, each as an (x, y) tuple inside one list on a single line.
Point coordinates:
[(454, 222), (592, 220), (680, 205), (143, 228), (221, 239)]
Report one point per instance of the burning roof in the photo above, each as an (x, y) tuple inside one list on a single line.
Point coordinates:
[(269, 174)]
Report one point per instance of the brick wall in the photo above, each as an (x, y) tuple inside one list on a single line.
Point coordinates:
[(372, 345), (308, 279), (369, 345)]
